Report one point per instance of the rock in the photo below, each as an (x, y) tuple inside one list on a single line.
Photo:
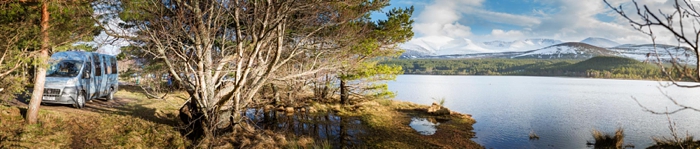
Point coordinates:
[(441, 111), (289, 110), (433, 108), (436, 109), (280, 108), (267, 108), (312, 109)]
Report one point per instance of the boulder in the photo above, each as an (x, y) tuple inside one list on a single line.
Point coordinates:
[(436, 109), (312, 109), (289, 110), (267, 108), (280, 108)]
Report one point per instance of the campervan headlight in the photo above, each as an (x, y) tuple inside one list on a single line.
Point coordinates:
[(69, 91)]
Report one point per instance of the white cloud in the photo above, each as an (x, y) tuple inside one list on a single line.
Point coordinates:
[(441, 18), (566, 20), (506, 18), (498, 34)]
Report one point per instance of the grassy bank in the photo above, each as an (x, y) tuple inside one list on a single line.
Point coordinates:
[(126, 122), (134, 121), (388, 124)]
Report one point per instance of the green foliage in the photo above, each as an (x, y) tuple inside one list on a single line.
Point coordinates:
[(69, 21), (362, 65), (596, 67), (11, 85)]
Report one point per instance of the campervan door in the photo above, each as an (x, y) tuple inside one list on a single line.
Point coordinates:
[(111, 76), (100, 81)]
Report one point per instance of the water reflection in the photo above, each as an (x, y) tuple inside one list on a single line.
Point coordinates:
[(562, 111), (425, 126), (340, 132)]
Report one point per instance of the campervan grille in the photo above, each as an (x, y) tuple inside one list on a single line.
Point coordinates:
[(51, 92)]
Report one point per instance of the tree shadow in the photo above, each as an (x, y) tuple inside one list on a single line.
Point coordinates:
[(120, 107)]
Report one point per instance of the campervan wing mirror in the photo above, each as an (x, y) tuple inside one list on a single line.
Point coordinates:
[(86, 75)]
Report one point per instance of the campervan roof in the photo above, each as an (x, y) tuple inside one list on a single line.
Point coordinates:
[(70, 55)]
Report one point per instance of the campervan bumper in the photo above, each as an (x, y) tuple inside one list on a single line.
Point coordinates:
[(67, 95)]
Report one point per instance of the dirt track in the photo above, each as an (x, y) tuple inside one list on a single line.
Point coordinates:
[(90, 106)]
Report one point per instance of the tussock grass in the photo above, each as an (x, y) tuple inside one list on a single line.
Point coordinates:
[(605, 141), (307, 142), (440, 101), (533, 135), (687, 142)]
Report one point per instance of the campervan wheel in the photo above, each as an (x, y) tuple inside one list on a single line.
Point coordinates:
[(80, 102)]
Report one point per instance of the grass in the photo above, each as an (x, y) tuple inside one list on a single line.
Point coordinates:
[(440, 101), (139, 123), (134, 121), (534, 136), (687, 142), (604, 141), (386, 122), (387, 126), (308, 142)]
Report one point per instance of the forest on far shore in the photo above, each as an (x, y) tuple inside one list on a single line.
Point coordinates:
[(596, 67)]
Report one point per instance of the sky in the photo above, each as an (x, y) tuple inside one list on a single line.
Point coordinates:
[(507, 20)]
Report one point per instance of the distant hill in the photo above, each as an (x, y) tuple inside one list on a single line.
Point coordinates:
[(596, 67), (609, 63), (569, 50), (457, 48), (600, 42)]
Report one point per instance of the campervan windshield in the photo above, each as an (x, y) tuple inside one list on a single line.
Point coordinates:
[(64, 68)]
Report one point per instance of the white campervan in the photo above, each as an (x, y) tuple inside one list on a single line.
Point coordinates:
[(76, 76)]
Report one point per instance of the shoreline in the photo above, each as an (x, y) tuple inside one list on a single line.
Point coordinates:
[(552, 77)]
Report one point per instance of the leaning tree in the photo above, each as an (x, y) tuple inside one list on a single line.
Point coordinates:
[(223, 52)]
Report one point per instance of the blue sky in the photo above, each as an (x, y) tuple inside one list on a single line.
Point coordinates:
[(507, 20)]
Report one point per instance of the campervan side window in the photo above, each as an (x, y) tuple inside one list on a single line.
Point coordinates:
[(108, 69), (114, 65), (98, 65), (88, 68)]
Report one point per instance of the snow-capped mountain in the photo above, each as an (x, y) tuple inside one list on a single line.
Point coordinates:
[(521, 45), (441, 45), (600, 42), (647, 52), (569, 50), (446, 47)]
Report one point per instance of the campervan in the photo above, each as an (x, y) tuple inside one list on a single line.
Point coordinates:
[(74, 77)]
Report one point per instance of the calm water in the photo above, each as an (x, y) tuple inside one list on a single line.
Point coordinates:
[(562, 111)]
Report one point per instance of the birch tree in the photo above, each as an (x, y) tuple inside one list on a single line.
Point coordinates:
[(681, 21), (203, 41)]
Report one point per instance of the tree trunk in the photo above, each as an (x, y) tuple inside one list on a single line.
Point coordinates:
[(40, 78), (343, 92), (276, 95)]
